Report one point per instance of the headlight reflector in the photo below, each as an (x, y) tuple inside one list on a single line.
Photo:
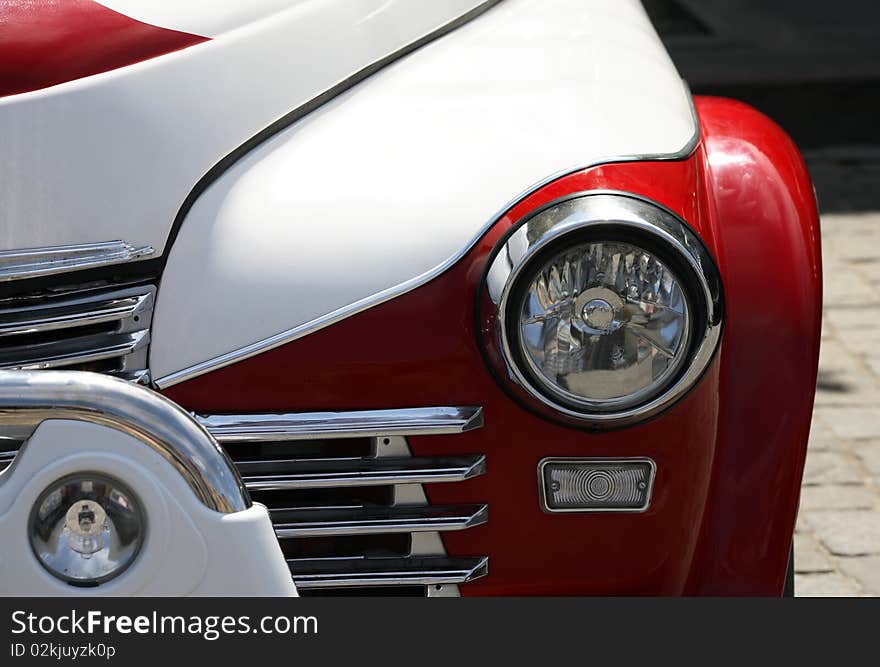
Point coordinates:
[(87, 529), (603, 325)]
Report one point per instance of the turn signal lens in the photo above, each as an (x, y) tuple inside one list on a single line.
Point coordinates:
[(593, 485), (87, 529)]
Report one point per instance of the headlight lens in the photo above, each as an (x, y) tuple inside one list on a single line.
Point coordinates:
[(87, 529), (603, 325)]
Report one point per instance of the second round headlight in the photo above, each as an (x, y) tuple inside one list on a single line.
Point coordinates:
[(87, 529)]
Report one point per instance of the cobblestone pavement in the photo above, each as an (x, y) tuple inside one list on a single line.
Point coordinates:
[(837, 540)]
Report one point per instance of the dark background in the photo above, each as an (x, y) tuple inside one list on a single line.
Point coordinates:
[(813, 66)]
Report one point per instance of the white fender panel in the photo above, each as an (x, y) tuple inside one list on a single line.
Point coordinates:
[(386, 186), (189, 550)]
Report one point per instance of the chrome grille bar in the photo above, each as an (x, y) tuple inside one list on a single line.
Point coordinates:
[(350, 572), (353, 513), (277, 475), (72, 351), (36, 262), (36, 320), (6, 459), (82, 327), (360, 424), (321, 522)]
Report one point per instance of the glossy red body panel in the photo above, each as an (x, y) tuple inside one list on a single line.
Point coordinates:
[(46, 42), (769, 251), (729, 455)]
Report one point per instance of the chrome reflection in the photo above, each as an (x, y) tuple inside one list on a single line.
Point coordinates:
[(349, 424), (38, 262), (28, 398)]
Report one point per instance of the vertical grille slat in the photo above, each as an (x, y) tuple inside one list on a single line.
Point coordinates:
[(337, 536)]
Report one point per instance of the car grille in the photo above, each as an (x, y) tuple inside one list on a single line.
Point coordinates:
[(346, 497), (344, 492), (103, 330)]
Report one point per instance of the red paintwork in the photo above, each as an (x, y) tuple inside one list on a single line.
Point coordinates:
[(729, 456), (46, 42)]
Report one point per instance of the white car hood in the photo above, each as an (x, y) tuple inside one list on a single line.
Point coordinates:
[(387, 185)]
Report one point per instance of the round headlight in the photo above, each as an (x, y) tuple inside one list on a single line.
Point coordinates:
[(603, 307), (87, 529), (602, 325)]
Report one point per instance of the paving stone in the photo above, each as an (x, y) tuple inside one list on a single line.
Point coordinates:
[(865, 570), (869, 453), (838, 497), (854, 422), (846, 287), (853, 317), (827, 584), (809, 556), (847, 532), (831, 468), (844, 378), (850, 388), (829, 331), (873, 362), (860, 341), (858, 244), (835, 356), (870, 270), (822, 438)]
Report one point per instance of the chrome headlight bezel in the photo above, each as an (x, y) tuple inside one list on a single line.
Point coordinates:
[(597, 216)]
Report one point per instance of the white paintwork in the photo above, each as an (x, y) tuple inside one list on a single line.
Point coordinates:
[(114, 155), (190, 550), (387, 185), (208, 18)]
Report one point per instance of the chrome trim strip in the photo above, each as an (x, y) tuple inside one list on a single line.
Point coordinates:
[(6, 459), (354, 424), (36, 319), (386, 295), (358, 572), (597, 209), (339, 473), (542, 491), (70, 351), (38, 262), (332, 522), (30, 397)]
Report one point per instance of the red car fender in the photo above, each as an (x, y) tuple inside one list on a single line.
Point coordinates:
[(729, 455), (766, 228)]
